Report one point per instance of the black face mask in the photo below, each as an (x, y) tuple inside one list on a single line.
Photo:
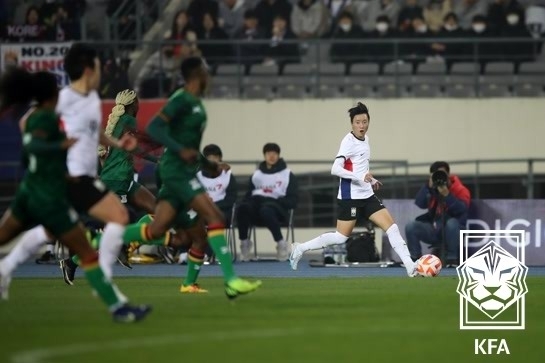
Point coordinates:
[(168, 53)]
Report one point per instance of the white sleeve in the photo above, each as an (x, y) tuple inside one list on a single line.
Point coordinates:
[(338, 170), (344, 150)]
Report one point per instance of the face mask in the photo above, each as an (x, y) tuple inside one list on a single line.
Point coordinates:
[(421, 29), (479, 27), (382, 27), (346, 27), (451, 27), (513, 19)]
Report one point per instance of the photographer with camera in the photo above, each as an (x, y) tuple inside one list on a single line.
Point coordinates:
[(447, 201)]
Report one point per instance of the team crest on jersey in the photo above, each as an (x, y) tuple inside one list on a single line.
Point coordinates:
[(353, 212), (93, 126), (196, 109)]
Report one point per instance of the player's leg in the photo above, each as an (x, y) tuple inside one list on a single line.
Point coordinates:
[(142, 198), (346, 221), (417, 231), (196, 232), (10, 227), (383, 219), (111, 211), (49, 254), (76, 240), (270, 216), (206, 209), (452, 235), (246, 214)]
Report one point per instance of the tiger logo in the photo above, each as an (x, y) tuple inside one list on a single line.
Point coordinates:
[(492, 280)]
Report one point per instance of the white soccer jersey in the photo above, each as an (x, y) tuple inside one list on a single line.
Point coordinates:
[(81, 116), (216, 187), (356, 154)]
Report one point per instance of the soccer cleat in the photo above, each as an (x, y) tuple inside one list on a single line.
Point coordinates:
[(130, 314), (47, 258), (411, 271), (239, 286), (192, 289), (295, 256), (5, 280), (68, 268), (123, 257), (246, 247), (282, 251)]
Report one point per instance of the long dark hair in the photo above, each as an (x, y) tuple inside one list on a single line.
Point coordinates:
[(18, 88)]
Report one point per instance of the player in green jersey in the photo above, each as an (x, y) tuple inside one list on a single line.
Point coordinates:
[(179, 126), (42, 195)]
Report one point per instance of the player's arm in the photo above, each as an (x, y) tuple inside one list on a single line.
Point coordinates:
[(338, 169), (158, 130), (36, 142)]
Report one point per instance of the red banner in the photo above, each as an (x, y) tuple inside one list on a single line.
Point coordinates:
[(148, 109)]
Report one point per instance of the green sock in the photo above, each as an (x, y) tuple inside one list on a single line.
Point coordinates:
[(101, 285), (138, 233), (94, 241), (76, 260), (216, 239), (195, 259)]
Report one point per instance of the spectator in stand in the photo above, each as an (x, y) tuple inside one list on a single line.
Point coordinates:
[(451, 52), (160, 72), (113, 80), (32, 30), (486, 51), (213, 53), (231, 16), (381, 53), (126, 24), (466, 10), (516, 51), (376, 8), (18, 10), (61, 26), (267, 10), (197, 9), (278, 52), (309, 19), (416, 53), (498, 10), (178, 31), (408, 13), (435, 12), (346, 53), (335, 9), (251, 31)]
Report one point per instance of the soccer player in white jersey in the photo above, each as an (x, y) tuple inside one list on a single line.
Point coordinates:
[(80, 113), (356, 197)]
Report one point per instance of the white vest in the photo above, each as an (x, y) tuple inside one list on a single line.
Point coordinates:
[(216, 187), (271, 185)]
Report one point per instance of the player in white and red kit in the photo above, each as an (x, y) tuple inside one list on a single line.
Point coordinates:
[(356, 197)]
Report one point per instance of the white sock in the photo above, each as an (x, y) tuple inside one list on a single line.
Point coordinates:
[(28, 245), (110, 245), (50, 247), (399, 245), (323, 240)]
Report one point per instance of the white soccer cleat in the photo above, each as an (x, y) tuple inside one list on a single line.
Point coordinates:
[(246, 247), (411, 270), (295, 256), (5, 281)]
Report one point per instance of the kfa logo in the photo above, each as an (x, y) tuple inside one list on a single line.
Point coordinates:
[(491, 346), (492, 282)]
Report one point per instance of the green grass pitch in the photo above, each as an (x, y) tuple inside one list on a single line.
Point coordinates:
[(373, 319)]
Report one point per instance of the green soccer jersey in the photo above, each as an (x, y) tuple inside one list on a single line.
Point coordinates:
[(47, 169), (187, 123), (119, 163)]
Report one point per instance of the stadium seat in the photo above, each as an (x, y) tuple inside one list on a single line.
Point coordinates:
[(494, 89), (289, 237), (291, 91), (257, 91), (432, 68), (364, 69), (223, 91), (264, 70), (528, 90), (465, 68), (230, 69), (332, 69), (499, 68), (425, 90), (397, 68), (326, 91), (359, 91)]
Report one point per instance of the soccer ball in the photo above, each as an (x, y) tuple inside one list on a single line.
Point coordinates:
[(428, 266)]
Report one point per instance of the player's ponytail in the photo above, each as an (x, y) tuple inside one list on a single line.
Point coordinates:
[(123, 98)]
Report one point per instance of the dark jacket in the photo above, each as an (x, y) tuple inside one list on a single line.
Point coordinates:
[(456, 203), (289, 201)]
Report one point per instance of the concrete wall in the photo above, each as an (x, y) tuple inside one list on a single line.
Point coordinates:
[(417, 130)]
